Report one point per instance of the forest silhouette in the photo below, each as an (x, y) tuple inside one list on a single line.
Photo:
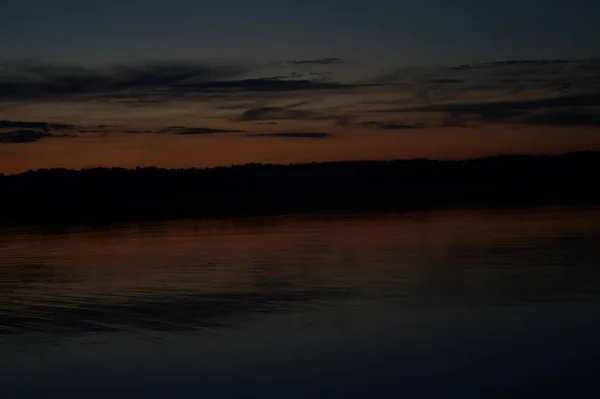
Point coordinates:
[(116, 194)]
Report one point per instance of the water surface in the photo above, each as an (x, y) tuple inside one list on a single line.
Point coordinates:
[(461, 303)]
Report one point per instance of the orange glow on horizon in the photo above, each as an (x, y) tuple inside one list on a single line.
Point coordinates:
[(181, 151)]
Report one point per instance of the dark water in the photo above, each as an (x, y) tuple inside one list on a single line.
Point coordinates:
[(471, 304)]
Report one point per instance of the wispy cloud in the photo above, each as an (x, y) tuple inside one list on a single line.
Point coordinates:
[(24, 80), (512, 63), (147, 83), (491, 81), (391, 125), (26, 136), (294, 135), (559, 110), (45, 126), (558, 92), (197, 130), (318, 61), (571, 117), (275, 113)]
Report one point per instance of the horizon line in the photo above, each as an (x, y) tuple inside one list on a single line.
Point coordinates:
[(241, 165)]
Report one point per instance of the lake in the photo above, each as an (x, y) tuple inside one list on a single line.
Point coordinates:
[(456, 303)]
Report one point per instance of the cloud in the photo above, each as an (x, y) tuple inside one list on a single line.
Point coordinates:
[(445, 81), (94, 131), (45, 126), (503, 80), (26, 136), (391, 125), (277, 113), (513, 111), (26, 80), (512, 91), (268, 85), (512, 63), (204, 130), (296, 135), (143, 84), (180, 130), (576, 117), (318, 61), (196, 130), (348, 121)]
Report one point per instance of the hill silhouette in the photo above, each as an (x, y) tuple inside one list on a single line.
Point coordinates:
[(112, 194)]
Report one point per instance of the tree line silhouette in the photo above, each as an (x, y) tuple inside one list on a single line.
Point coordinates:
[(111, 194)]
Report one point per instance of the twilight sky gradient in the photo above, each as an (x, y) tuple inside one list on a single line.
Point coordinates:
[(184, 83)]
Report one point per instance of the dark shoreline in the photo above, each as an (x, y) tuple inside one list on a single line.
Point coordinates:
[(104, 195)]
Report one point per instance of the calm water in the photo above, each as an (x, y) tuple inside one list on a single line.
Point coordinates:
[(471, 304)]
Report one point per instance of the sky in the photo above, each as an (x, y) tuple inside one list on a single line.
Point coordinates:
[(190, 83)]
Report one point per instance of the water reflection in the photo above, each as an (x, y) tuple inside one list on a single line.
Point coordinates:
[(205, 274), (447, 296)]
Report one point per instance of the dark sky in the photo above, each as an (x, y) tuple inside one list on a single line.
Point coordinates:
[(402, 32), (373, 75)]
